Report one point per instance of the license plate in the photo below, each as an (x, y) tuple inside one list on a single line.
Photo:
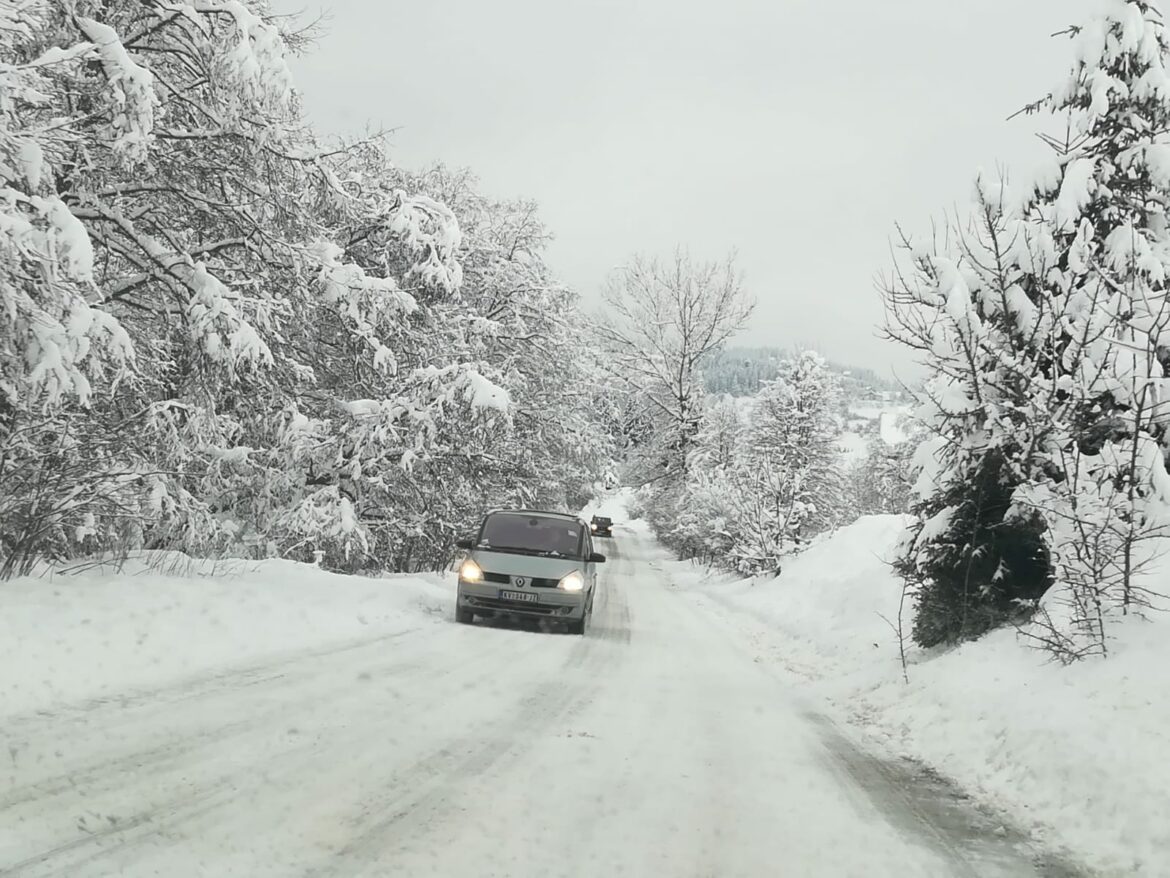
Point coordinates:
[(525, 596)]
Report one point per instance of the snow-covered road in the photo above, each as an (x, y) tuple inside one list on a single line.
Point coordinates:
[(658, 745)]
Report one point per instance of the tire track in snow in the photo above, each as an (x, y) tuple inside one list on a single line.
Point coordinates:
[(178, 744), (208, 794), (231, 678), (429, 790), (920, 804), (925, 806)]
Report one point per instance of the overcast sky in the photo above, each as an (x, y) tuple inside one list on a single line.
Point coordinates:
[(795, 131)]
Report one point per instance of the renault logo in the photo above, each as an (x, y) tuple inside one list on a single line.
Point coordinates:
[(519, 580)]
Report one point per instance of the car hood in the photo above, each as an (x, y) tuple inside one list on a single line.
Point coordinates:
[(531, 566)]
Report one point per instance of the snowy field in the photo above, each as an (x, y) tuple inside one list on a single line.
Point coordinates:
[(1075, 754)]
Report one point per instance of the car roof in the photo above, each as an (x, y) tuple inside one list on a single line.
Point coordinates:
[(565, 516)]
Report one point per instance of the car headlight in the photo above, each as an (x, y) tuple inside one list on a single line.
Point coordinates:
[(469, 571), (572, 582)]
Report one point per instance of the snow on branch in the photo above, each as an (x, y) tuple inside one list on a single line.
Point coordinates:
[(431, 232), (253, 69), (132, 89), (213, 317)]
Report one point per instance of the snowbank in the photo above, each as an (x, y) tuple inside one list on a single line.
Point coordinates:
[(65, 638), (1075, 754)]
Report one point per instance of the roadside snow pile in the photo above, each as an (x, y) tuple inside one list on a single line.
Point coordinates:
[(65, 638), (1076, 754), (830, 603)]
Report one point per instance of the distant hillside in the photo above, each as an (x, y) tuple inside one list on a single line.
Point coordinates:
[(741, 371), (872, 408)]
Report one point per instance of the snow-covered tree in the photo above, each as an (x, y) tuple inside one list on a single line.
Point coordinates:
[(661, 320), (764, 475), (791, 485), (1043, 321), (880, 481), (1108, 205), (700, 521), (219, 334), (138, 135)]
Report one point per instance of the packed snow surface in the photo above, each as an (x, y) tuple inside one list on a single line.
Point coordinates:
[(95, 633), (1076, 754), (278, 721)]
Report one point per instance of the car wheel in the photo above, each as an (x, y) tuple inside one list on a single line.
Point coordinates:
[(464, 617), (586, 617)]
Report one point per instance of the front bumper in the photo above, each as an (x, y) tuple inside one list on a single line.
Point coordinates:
[(484, 599)]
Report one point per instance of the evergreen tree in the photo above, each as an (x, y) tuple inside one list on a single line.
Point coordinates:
[(790, 484), (1043, 324)]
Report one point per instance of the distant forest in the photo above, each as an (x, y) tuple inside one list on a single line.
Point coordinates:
[(742, 371)]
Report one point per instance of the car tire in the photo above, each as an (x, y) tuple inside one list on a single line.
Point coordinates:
[(464, 617), (586, 617)]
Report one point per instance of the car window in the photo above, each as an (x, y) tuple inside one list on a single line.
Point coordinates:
[(535, 534)]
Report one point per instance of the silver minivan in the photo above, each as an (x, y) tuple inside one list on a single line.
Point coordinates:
[(535, 565)]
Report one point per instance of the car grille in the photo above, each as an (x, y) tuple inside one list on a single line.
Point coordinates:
[(505, 579), (516, 606)]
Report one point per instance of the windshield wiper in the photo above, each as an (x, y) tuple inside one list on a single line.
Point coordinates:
[(519, 550), (524, 550)]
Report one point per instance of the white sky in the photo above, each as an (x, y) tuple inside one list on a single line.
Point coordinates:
[(795, 131)]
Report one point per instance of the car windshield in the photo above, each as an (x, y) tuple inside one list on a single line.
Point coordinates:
[(531, 534)]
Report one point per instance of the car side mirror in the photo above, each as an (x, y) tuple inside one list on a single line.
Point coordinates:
[(596, 558), (465, 543)]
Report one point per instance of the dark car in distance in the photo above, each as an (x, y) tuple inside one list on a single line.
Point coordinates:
[(601, 526)]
